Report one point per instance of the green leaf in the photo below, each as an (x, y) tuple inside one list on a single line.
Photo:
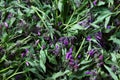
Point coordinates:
[(114, 57), (111, 73), (108, 30), (59, 74), (60, 5), (42, 65), (42, 60), (94, 25), (12, 20), (4, 37), (20, 14), (77, 27), (86, 61), (52, 59), (115, 40), (20, 31), (101, 17), (110, 2), (3, 58), (101, 3), (107, 19), (33, 70)]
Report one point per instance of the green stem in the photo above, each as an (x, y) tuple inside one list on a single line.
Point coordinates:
[(117, 7), (5, 69), (80, 48), (19, 66), (34, 8), (15, 74)]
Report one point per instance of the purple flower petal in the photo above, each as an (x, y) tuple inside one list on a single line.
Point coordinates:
[(71, 49), (66, 42), (71, 63), (23, 54), (95, 2), (98, 35), (88, 72), (56, 46), (27, 63), (67, 55), (91, 52), (36, 42), (88, 38), (79, 56), (10, 15), (70, 57), (39, 33), (100, 64), (76, 66), (6, 24), (101, 57), (108, 27), (43, 47)]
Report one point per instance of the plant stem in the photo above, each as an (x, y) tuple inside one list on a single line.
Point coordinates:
[(34, 8), (15, 74), (5, 69), (80, 48)]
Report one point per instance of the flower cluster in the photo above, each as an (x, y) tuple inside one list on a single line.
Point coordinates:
[(73, 63), (25, 53)]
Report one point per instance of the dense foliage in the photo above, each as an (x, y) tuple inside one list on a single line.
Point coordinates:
[(59, 39)]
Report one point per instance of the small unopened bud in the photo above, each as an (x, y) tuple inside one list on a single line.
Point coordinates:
[(6, 24)]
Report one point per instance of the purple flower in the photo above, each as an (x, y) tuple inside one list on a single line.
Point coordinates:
[(43, 47), (108, 27), (61, 39), (6, 24), (98, 35), (101, 57), (91, 52), (57, 50), (39, 33), (25, 53), (100, 64), (95, 2), (27, 63), (79, 56), (71, 63), (10, 15), (88, 38), (66, 42), (70, 57), (88, 72), (18, 77), (57, 47), (72, 39), (71, 49), (76, 66), (69, 54), (114, 68), (47, 38), (71, 60), (36, 42)]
